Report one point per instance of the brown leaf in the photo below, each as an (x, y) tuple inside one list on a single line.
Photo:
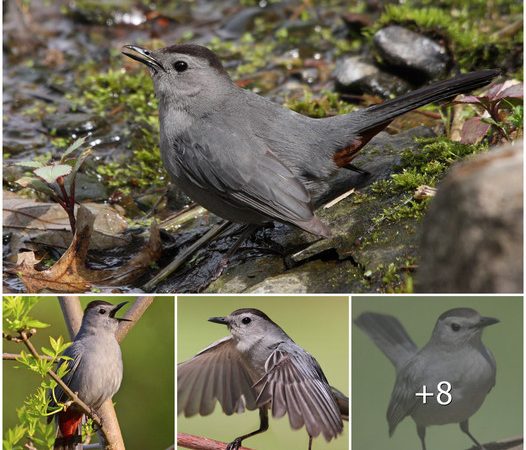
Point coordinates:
[(70, 274), (66, 274)]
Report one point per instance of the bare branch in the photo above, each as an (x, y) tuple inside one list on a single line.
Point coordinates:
[(113, 436), (201, 443), (134, 313), (14, 356), (72, 312)]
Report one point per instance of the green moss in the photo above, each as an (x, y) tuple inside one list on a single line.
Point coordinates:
[(326, 104), (127, 97)]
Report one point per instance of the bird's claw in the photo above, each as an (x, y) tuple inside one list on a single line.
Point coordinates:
[(234, 445)]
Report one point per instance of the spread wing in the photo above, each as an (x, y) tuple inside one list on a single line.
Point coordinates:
[(244, 173), (295, 384), (216, 373)]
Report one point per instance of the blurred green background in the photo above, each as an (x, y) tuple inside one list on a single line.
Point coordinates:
[(319, 324), (145, 401), (499, 417)]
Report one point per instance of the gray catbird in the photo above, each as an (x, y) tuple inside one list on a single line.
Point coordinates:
[(94, 371), (455, 354), (252, 161), (260, 366)]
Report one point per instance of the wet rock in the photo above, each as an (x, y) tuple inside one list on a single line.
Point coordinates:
[(69, 124), (473, 234), (411, 53), (21, 135), (356, 75)]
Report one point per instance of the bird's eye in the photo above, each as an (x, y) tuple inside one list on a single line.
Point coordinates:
[(180, 66), (246, 320), (102, 311), (455, 326)]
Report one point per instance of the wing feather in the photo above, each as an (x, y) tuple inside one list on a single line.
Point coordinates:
[(216, 373), (294, 383)]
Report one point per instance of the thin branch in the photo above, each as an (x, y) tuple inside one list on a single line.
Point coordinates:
[(201, 443), (15, 356), (133, 314)]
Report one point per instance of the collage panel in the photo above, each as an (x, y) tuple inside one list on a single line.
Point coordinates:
[(123, 351), (463, 355), (290, 350)]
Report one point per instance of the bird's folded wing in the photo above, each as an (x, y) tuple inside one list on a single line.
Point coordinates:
[(295, 384), (242, 172), (74, 352), (403, 400), (216, 373)]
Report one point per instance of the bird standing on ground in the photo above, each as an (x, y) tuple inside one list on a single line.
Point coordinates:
[(250, 160)]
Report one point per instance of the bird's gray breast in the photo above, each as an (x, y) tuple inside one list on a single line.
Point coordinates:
[(471, 376), (99, 373)]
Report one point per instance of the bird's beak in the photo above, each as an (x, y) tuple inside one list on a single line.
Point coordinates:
[(115, 309), (486, 322), (143, 56), (220, 320)]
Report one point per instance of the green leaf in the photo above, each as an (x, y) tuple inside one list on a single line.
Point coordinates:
[(33, 323), (73, 147), (50, 174)]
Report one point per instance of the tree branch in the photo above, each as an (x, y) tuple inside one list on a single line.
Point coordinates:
[(72, 312), (133, 314), (201, 443), (14, 356)]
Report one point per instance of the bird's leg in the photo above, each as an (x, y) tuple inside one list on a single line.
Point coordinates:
[(422, 435), (353, 168), (464, 426), (310, 442), (263, 426), (225, 259)]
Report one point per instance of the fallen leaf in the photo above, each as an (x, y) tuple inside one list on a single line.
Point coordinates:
[(70, 274)]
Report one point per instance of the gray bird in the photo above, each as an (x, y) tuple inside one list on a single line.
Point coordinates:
[(94, 371), (455, 353), (260, 366), (250, 160)]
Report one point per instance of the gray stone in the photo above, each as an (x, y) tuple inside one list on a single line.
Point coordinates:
[(410, 52), (473, 233), (356, 75)]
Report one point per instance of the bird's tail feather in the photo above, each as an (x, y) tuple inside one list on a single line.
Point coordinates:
[(385, 112), (389, 335)]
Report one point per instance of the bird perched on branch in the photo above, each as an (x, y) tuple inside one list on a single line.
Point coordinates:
[(94, 370), (260, 367), (454, 369)]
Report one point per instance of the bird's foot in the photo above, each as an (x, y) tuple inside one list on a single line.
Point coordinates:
[(235, 444)]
